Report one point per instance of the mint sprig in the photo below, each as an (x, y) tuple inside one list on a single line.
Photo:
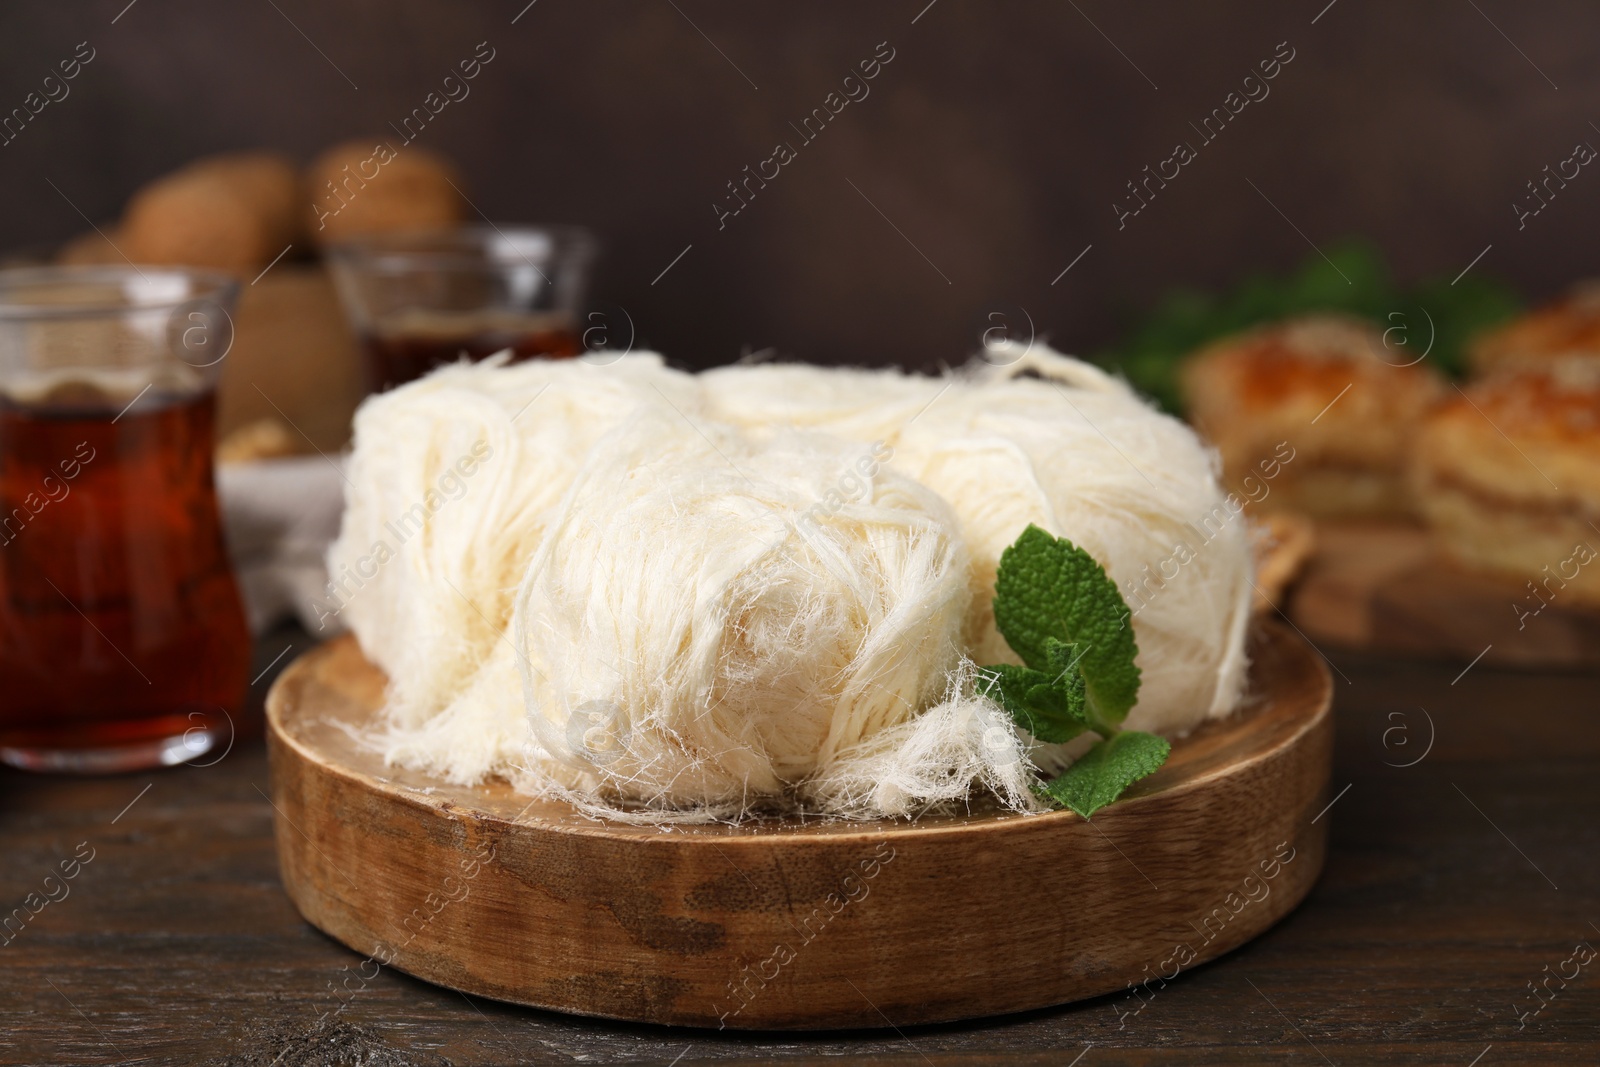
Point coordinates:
[(1101, 774), (1061, 613)]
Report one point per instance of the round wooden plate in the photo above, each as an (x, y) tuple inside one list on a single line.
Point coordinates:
[(812, 925)]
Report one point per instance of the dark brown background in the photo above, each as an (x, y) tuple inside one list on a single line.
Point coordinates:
[(996, 141)]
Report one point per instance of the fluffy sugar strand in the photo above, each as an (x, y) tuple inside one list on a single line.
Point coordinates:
[(693, 635), (667, 597)]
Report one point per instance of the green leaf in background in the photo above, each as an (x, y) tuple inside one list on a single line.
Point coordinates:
[(1353, 279), (1101, 774), (1458, 312)]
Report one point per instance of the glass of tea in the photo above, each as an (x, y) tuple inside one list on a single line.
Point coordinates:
[(123, 641), (421, 299)]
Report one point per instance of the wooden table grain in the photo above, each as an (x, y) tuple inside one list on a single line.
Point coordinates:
[(1462, 878)]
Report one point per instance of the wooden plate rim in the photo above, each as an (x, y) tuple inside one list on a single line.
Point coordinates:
[(714, 834)]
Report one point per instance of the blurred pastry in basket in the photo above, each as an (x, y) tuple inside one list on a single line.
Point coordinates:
[(294, 360), (92, 249), (1566, 326), (231, 212), (363, 187), (1506, 474), (1322, 404)]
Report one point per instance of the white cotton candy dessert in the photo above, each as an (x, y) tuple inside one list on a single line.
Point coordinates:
[(1032, 436), (448, 487), (674, 597), (697, 634), (859, 405)]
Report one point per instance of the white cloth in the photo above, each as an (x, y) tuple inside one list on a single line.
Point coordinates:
[(280, 516)]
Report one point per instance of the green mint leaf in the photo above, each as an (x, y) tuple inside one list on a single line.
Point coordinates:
[(1007, 684), (1051, 596), (1061, 703), (1062, 694), (1060, 656), (1049, 707), (1102, 773)]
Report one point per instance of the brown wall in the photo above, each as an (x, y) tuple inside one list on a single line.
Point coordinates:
[(995, 141)]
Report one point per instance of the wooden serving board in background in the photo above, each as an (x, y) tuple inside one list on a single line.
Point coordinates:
[(1384, 587), (784, 924)]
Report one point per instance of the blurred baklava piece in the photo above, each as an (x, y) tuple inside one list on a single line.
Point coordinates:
[(1568, 326), (1506, 474), (1313, 414)]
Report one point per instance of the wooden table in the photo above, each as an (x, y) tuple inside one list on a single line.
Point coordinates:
[(1452, 884)]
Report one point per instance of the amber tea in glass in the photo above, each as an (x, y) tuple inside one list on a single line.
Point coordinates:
[(421, 299), (123, 640)]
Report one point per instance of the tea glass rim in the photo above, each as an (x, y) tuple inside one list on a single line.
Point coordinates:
[(205, 285), (467, 246)]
